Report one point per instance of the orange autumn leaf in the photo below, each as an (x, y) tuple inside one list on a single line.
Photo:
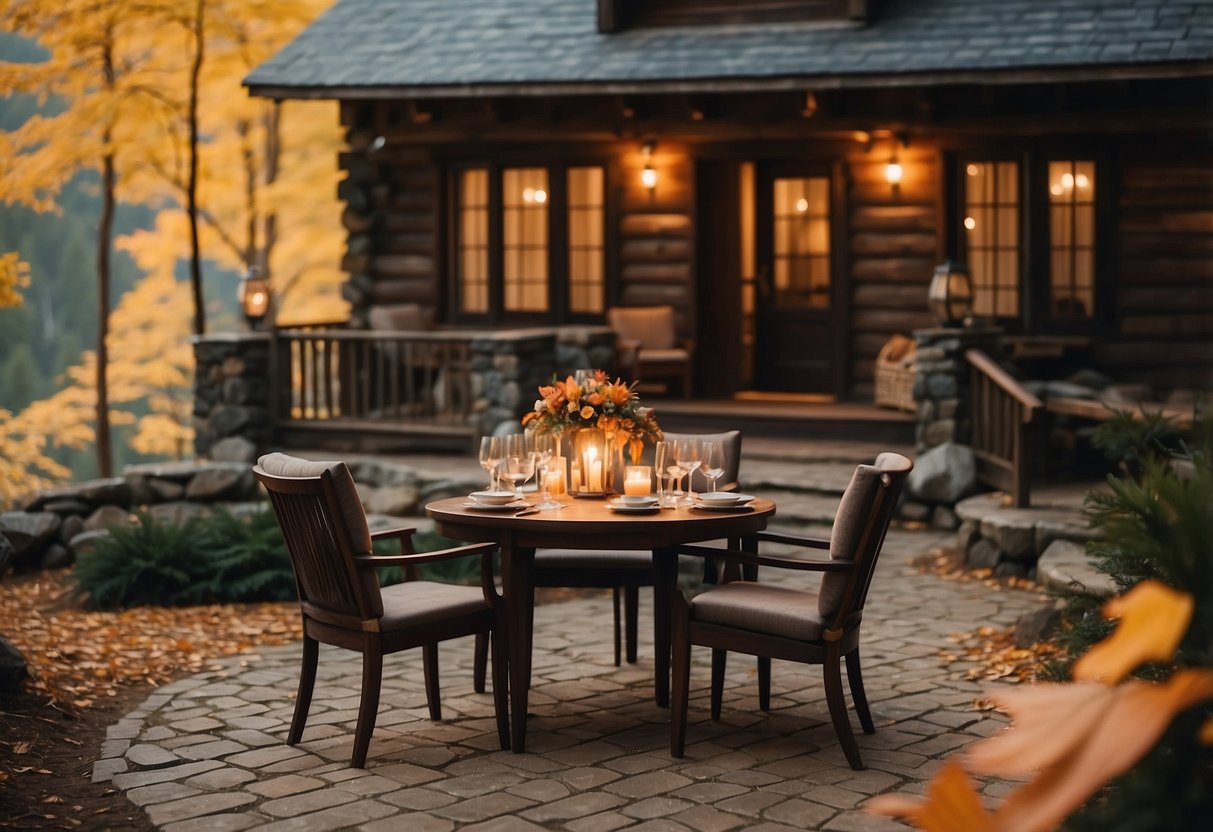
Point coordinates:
[(1131, 718), (952, 805), (1153, 620)]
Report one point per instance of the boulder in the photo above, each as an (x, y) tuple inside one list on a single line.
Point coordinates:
[(66, 507), (71, 527), (944, 518), (164, 491), (1010, 569), (29, 532), (1066, 567), (944, 474), (983, 554), (105, 517), (12, 666), (215, 484), (234, 449), (911, 510), (1013, 532), (1126, 396), (1065, 390), (8, 553), (1038, 625), (57, 556), (85, 543), (177, 513), (111, 491), (1087, 377), (394, 501)]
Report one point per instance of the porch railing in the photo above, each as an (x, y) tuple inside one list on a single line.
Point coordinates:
[(344, 379), (1005, 416)]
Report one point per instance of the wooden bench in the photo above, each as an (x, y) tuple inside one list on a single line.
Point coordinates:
[(1098, 411)]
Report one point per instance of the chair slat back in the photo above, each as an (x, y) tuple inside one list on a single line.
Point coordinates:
[(874, 492), (730, 440), (321, 547)]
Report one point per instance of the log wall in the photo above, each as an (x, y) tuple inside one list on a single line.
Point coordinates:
[(1163, 306)]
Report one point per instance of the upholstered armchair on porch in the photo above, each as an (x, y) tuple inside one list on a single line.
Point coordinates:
[(649, 347), (771, 621), (329, 543)]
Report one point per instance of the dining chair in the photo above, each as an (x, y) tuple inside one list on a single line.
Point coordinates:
[(329, 543), (649, 346), (769, 621), (623, 572)]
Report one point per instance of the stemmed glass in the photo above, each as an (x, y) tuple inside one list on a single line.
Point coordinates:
[(669, 465), (519, 462), (544, 446), (491, 452), (688, 455), (713, 461)]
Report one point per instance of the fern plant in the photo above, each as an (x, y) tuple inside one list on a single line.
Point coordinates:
[(248, 558), (148, 562)]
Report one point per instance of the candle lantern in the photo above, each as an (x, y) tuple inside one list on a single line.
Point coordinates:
[(638, 480), (593, 460)]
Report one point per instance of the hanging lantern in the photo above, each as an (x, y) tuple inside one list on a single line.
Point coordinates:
[(950, 295)]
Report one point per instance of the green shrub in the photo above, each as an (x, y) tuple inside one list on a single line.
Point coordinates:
[(219, 558), (145, 563)]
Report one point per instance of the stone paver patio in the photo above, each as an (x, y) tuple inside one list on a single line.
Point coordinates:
[(207, 752)]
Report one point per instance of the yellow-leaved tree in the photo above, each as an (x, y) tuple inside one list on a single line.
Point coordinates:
[(153, 100), (14, 276)]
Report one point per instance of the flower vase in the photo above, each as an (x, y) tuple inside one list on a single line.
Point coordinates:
[(595, 458)]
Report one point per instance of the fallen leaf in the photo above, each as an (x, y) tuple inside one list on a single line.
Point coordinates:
[(1153, 620), (23, 747)]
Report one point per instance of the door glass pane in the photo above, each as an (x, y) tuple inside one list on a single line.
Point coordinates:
[(991, 231), (473, 240), (802, 242), (1072, 239), (524, 250), (586, 254)]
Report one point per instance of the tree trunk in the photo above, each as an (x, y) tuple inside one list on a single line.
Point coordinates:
[(192, 187), (105, 461), (273, 151)]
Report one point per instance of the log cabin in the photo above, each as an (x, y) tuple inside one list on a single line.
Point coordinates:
[(785, 173)]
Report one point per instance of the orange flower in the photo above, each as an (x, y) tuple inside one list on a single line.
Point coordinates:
[(1153, 620), (621, 393), (595, 399), (587, 412)]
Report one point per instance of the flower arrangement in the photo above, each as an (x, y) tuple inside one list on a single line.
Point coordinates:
[(611, 406)]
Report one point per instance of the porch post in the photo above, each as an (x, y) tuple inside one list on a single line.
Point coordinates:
[(941, 382), (231, 389)]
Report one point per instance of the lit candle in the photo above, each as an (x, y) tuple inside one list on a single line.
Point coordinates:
[(555, 481), (574, 477), (637, 482), (593, 471)]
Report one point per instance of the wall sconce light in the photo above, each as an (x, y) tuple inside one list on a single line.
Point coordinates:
[(254, 297), (648, 176), (893, 171)]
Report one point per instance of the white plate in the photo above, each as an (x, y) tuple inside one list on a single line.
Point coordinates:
[(742, 506), (623, 508), (494, 507), (738, 500)]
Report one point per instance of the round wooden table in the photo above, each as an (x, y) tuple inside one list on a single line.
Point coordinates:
[(587, 524)]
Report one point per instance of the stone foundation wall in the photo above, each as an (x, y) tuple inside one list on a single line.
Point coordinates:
[(231, 389), (941, 382)]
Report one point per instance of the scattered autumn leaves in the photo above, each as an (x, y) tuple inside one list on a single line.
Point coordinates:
[(76, 657)]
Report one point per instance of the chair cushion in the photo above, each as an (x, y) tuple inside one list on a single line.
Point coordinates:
[(760, 608), (592, 559), (652, 326), (413, 603), (401, 317), (663, 356), (282, 465)]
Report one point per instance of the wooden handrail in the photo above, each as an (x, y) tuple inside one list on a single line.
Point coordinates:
[(1003, 380), (1004, 417)]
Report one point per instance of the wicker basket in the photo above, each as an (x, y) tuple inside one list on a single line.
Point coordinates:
[(895, 374)]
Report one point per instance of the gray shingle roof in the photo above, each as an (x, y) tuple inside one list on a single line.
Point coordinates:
[(471, 47)]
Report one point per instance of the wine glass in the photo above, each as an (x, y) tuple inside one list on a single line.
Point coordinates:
[(543, 446), (688, 455), (713, 461), (661, 453), (491, 452), (519, 462), (670, 466)]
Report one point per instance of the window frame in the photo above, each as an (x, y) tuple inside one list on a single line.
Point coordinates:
[(1035, 316), (558, 311)]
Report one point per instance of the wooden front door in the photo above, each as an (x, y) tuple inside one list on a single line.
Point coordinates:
[(797, 309)]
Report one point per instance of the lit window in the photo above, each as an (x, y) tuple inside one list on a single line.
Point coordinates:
[(802, 241), (473, 240), (524, 243), (586, 215), (991, 223), (1072, 239)]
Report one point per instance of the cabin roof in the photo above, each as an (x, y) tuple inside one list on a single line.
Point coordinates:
[(471, 48)]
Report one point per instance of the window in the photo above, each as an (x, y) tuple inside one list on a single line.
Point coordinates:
[(1072, 239), (991, 224), (529, 242), (802, 241), (1027, 230)]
